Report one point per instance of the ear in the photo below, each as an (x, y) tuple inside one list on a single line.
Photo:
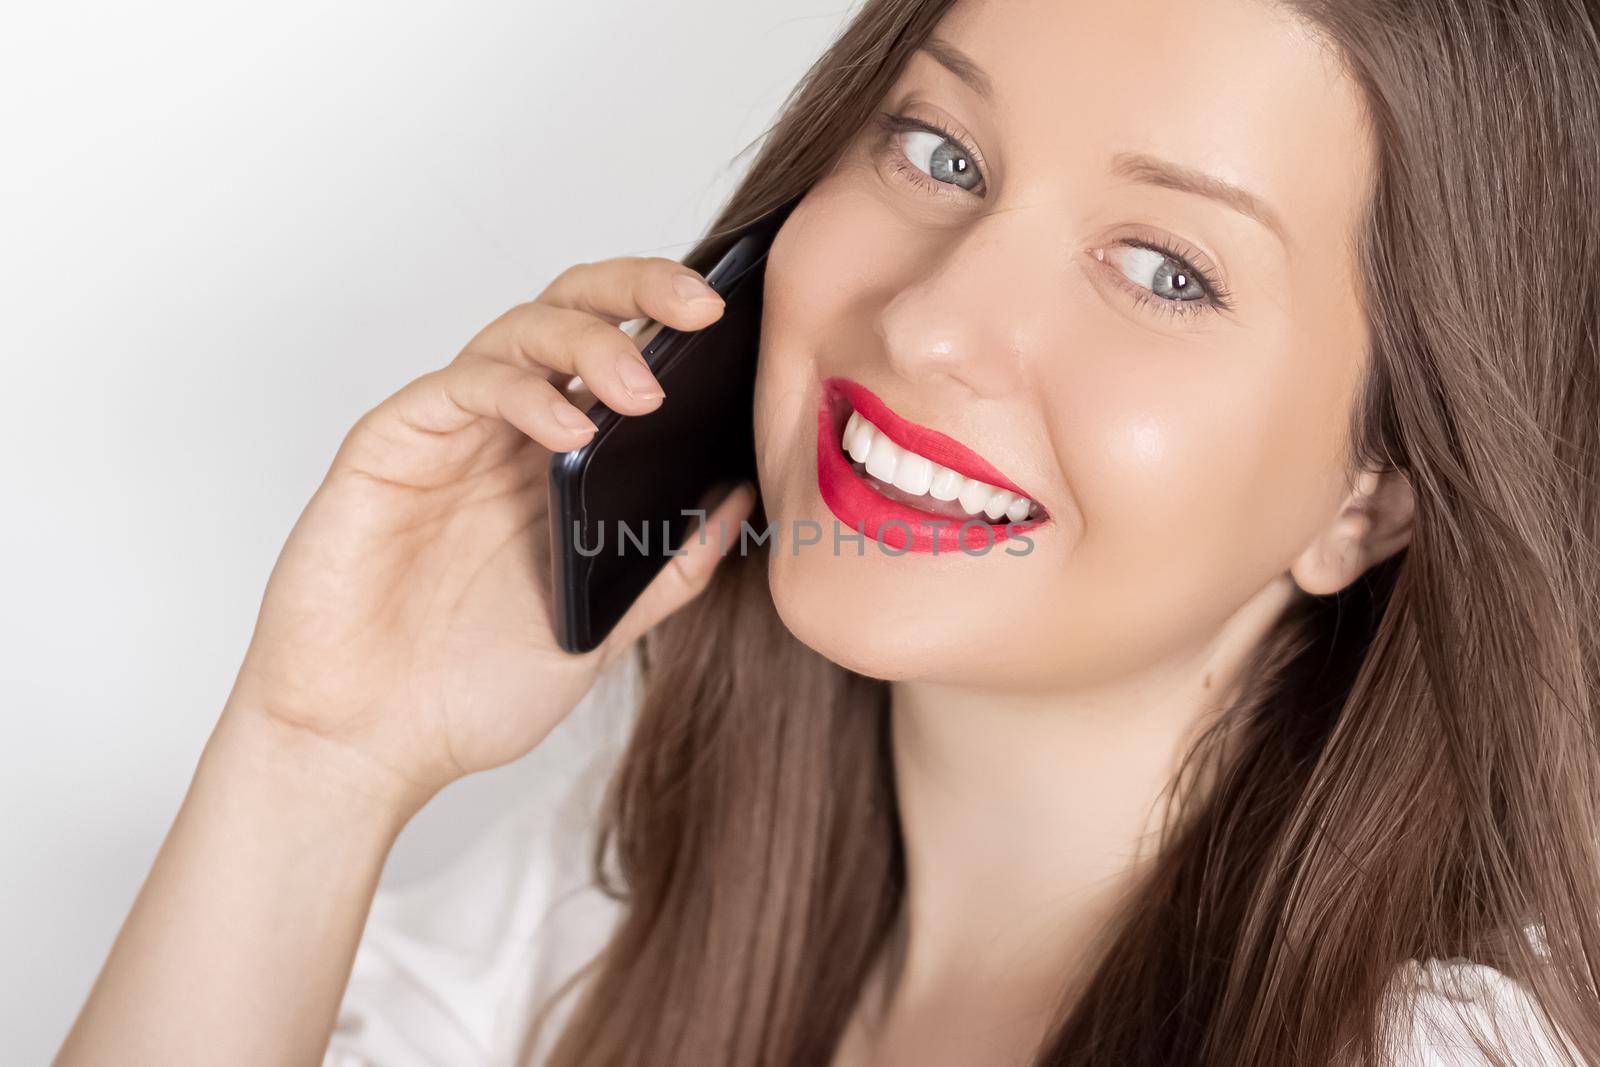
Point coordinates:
[(1373, 523)]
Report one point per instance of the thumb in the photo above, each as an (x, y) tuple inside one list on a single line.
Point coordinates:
[(686, 576)]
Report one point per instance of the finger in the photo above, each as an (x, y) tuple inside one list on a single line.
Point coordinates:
[(470, 388), (572, 328), (633, 287), (686, 576), (567, 342)]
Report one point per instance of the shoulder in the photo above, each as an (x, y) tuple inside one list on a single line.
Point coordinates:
[(450, 968), (1445, 1008)]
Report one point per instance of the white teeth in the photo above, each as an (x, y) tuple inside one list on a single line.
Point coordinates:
[(883, 458), (914, 473), (858, 434), (919, 475), (945, 485), (974, 495), (997, 504)]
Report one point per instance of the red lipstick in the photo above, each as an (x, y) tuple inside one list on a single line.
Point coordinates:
[(895, 525)]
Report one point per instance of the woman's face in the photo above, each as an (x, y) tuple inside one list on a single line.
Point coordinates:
[(1121, 281)]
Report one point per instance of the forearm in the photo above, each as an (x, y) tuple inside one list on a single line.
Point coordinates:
[(241, 940)]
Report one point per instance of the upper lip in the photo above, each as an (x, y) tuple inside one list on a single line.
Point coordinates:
[(929, 443)]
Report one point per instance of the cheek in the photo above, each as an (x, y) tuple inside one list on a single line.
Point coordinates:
[(1199, 475), (813, 299)]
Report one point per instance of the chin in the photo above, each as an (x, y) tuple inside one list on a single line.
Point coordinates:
[(886, 620), (842, 621)]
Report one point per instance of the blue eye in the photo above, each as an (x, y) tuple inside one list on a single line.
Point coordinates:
[(940, 158), (929, 156), (1163, 275), (1162, 279)]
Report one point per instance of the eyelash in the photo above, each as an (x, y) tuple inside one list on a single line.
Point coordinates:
[(1218, 298), (892, 125)]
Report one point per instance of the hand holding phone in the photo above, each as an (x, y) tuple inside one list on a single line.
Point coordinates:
[(623, 503), (402, 643), (407, 617)]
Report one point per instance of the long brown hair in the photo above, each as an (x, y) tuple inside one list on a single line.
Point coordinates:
[(1410, 769)]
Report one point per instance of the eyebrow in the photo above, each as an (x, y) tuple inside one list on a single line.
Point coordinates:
[(960, 64), (1135, 166), (1150, 170)]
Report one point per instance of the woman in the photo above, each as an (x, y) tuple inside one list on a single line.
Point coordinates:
[(1278, 747)]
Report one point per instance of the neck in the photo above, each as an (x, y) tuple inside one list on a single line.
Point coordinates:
[(1027, 817)]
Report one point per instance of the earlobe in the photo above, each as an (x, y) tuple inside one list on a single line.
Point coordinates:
[(1373, 523)]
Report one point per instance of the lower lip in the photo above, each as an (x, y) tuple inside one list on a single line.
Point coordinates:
[(895, 526)]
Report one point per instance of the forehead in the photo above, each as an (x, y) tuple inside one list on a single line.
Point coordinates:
[(1237, 88)]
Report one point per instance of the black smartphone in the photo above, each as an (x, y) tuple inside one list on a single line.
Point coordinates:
[(621, 505)]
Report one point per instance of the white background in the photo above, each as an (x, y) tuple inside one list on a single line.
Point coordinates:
[(226, 229)]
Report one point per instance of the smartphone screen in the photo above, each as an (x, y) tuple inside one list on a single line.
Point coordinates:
[(620, 504)]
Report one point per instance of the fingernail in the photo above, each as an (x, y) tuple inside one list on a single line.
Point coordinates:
[(639, 381), (692, 290), (571, 417)]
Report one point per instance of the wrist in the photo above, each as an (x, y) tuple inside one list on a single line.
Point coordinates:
[(296, 764)]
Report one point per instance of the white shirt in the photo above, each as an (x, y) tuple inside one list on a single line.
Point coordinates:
[(450, 969)]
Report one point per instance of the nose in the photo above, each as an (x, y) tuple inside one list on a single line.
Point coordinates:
[(960, 316)]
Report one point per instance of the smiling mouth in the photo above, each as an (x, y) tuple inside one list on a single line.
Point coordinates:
[(911, 478), (907, 483)]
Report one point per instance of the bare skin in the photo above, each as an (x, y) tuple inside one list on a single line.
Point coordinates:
[(1192, 465)]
